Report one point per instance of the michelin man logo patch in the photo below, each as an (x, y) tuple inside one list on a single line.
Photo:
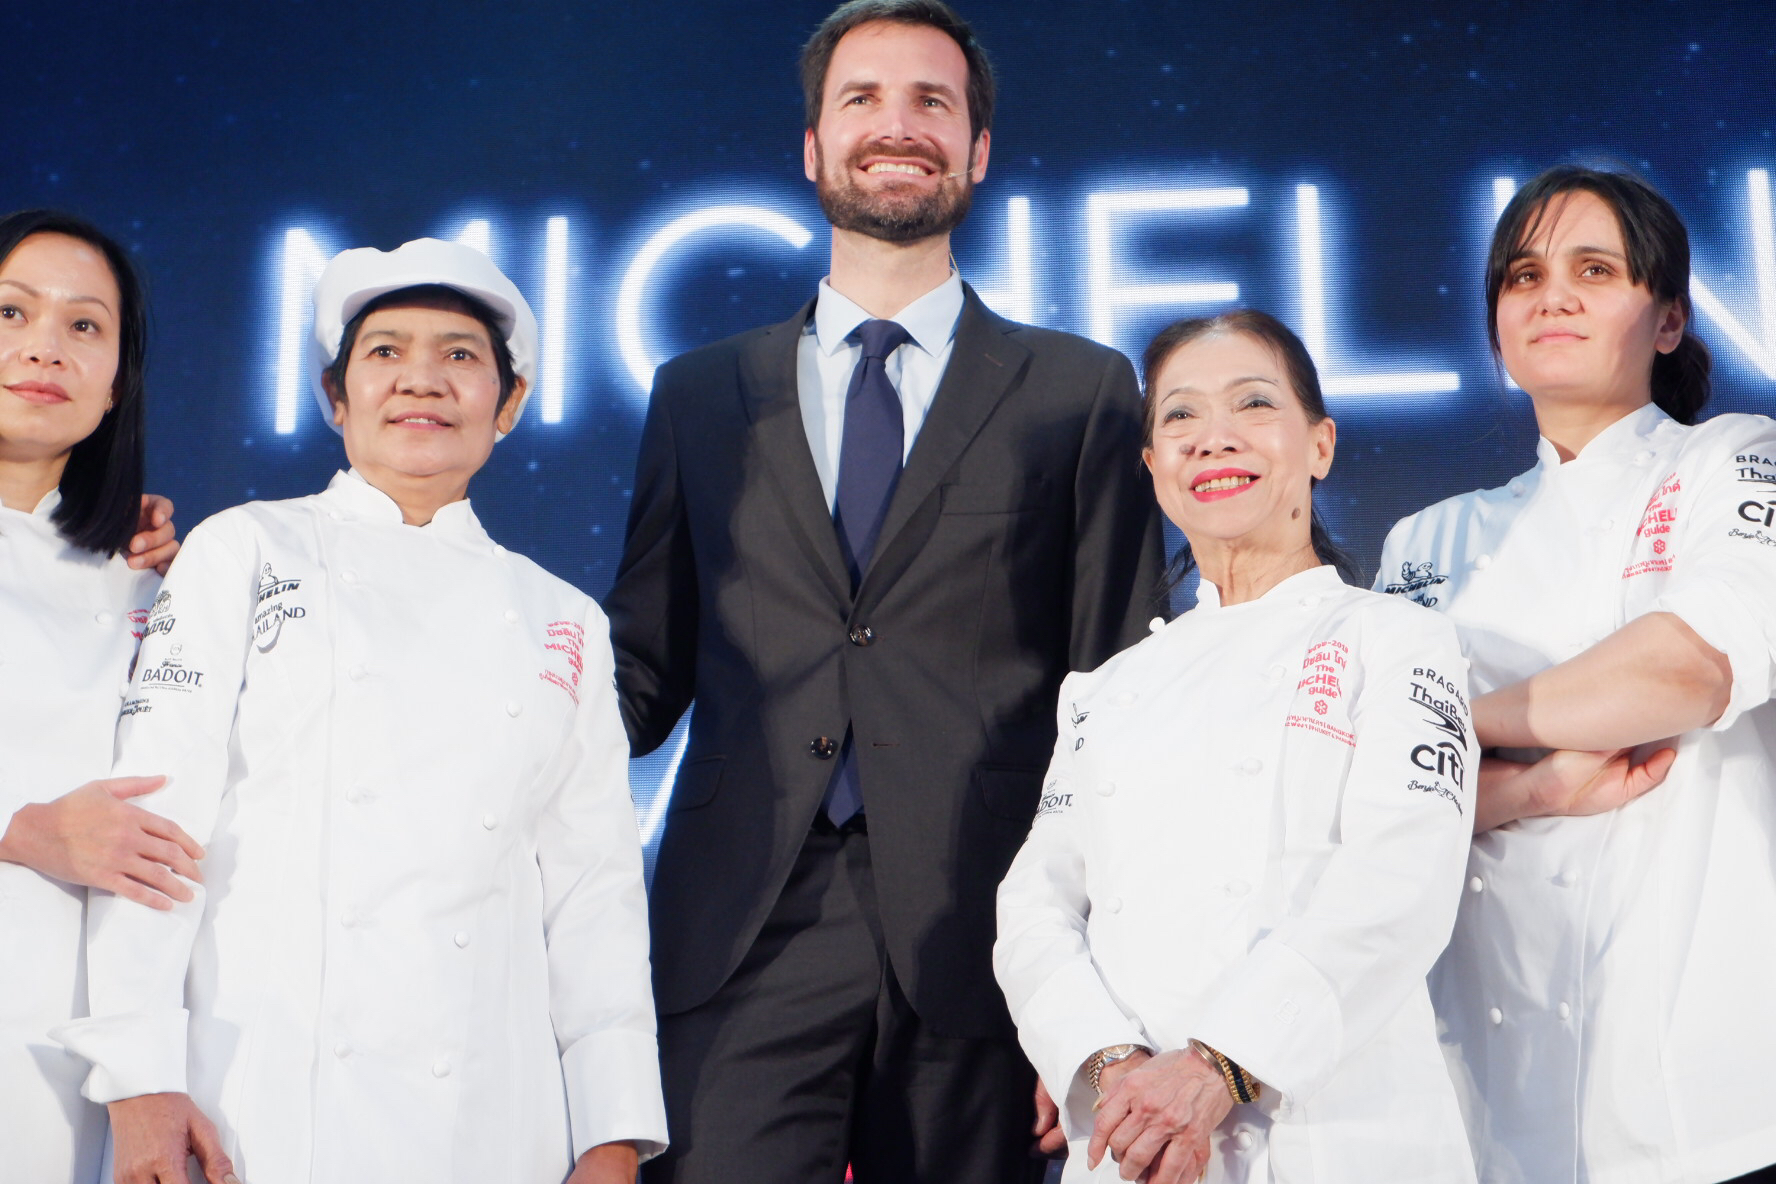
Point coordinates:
[(1416, 581)]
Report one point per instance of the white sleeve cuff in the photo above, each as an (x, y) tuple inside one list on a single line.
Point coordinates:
[(1069, 1018), (1278, 1018), (613, 1092), (131, 1055), (1721, 618)]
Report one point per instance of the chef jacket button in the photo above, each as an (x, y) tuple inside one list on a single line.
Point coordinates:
[(440, 1068), (342, 1049), (1126, 699), (488, 822), (1114, 904), (823, 747), (1567, 878), (1516, 488), (1309, 601), (1275, 671), (1607, 524), (861, 635), (1482, 562), (1106, 788), (498, 550), (357, 795), (513, 708), (348, 576), (1156, 624), (333, 514), (1251, 765), (1476, 885), (1496, 1016), (511, 617), (1644, 455), (349, 918), (103, 618), (461, 939), (1565, 1011), (1244, 1139), (1236, 888), (356, 673)]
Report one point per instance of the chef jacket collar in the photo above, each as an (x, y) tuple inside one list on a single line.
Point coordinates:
[(47, 505), (1315, 582), (1631, 434), (930, 320), (356, 496)]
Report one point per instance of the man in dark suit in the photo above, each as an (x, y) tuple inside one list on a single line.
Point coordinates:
[(868, 542)]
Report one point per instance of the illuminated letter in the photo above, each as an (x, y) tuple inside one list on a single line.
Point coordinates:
[(1103, 294), (631, 343), (1761, 350), (1017, 299), (552, 386), (478, 234), (302, 263), (1311, 255)]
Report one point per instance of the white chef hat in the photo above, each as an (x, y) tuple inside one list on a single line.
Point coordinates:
[(356, 277)]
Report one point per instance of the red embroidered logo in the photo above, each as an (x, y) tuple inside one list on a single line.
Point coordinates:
[(1320, 679), (138, 623), (567, 638), (1656, 522)]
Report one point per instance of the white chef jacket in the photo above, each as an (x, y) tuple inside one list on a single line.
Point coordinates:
[(1607, 997), (1252, 834), (66, 643), (420, 948)]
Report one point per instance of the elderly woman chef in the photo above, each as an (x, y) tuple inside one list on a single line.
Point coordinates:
[(1250, 843), (1608, 987), (420, 948)]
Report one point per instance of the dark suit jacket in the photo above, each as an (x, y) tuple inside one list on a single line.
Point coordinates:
[(1021, 542)]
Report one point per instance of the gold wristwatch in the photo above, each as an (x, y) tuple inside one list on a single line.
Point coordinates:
[(1105, 1057)]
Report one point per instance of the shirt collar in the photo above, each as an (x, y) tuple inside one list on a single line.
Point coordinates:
[(47, 505), (1315, 582), (351, 493), (1622, 440), (930, 320)]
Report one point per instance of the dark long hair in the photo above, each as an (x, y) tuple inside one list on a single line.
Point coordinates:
[(1304, 382), (102, 483), (1658, 250)]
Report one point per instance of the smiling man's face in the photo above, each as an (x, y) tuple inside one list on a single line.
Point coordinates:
[(891, 157)]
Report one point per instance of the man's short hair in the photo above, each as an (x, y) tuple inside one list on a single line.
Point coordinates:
[(817, 54)]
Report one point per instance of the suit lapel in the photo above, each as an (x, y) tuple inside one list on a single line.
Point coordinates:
[(768, 385), (983, 362)]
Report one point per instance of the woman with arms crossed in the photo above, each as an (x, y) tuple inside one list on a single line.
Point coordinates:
[(72, 593), (1249, 846), (1607, 992), (420, 950)]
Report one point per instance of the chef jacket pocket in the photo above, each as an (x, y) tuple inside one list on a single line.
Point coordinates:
[(1010, 793), (697, 782), (995, 497)]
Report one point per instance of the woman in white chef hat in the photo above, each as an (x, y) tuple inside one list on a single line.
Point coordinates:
[(1607, 993), (73, 592), (420, 948), (1249, 846)]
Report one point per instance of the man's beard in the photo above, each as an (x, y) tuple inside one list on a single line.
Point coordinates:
[(892, 217)]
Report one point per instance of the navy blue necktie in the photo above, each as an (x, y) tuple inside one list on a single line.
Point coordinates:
[(869, 468)]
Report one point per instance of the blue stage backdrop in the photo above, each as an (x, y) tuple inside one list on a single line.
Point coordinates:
[(637, 170)]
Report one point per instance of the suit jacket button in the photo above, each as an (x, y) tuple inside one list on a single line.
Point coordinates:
[(861, 635), (823, 747)]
